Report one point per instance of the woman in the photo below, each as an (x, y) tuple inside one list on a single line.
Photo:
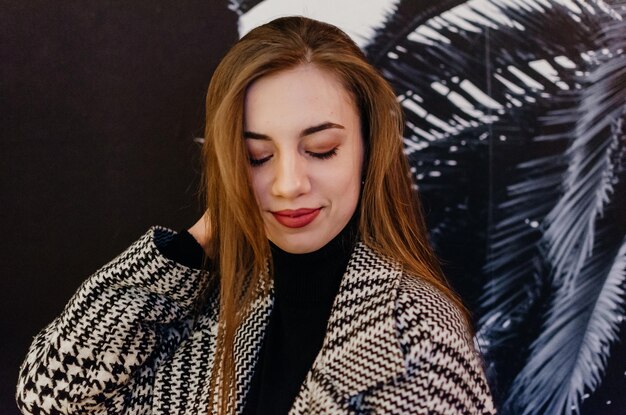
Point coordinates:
[(319, 292)]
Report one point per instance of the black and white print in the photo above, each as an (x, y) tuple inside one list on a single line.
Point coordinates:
[(128, 343)]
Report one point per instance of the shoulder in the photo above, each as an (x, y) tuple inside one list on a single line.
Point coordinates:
[(146, 249), (419, 308), (427, 322), (424, 312)]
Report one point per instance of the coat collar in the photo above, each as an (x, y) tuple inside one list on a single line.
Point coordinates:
[(361, 328)]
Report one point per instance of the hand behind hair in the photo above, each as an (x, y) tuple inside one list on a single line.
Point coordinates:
[(201, 232)]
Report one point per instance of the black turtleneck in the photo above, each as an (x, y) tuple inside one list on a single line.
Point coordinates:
[(305, 286), (184, 249)]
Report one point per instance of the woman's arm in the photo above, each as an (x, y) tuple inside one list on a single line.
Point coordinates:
[(103, 349)]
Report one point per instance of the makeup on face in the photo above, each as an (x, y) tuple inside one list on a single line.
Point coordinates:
[(302, 132)]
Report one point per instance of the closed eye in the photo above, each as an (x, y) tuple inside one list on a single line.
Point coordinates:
[(323, 156), (257, 162)]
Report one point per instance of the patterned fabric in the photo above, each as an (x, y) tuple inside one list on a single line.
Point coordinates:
[(127, 343)]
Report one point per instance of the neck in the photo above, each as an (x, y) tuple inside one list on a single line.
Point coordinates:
[(314, 277)]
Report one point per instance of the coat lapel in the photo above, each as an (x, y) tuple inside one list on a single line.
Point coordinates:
[(248, 341), (361, 348)]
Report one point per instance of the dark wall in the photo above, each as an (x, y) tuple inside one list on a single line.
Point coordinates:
[(99, 105)]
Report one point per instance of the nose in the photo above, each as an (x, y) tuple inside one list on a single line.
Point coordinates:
[(290, 177)]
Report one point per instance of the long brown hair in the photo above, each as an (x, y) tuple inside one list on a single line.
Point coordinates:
[(391, 221)]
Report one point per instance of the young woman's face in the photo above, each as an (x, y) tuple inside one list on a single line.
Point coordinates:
[(302, 131)]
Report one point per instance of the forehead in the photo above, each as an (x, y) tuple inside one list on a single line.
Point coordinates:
[(304, 94)]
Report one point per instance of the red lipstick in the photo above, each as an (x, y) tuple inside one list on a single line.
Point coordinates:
[(296, 218)]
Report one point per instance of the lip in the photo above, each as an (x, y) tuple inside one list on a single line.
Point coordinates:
[(296, 218)]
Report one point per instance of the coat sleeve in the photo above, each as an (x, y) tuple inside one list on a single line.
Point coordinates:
[(444, 373), (122, 320)]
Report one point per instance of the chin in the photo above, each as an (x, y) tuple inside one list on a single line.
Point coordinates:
[(301, 244)]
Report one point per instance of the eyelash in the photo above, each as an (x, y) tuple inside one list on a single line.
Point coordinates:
[(320, 156)]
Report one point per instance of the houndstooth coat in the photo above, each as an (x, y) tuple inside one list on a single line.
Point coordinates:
[(126, 344)]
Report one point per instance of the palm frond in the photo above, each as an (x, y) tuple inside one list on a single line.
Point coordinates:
[(449, 82), (477, 82), (406, 16), (595, 138), (570, 356), (461, 99), (518, 280)]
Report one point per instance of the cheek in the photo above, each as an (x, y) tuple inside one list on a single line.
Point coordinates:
[(259, 188), (342, 182)]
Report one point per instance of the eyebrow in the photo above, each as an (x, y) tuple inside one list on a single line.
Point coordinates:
[(307, 131)]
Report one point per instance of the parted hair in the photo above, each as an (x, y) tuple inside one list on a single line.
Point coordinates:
[(390, 217)]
